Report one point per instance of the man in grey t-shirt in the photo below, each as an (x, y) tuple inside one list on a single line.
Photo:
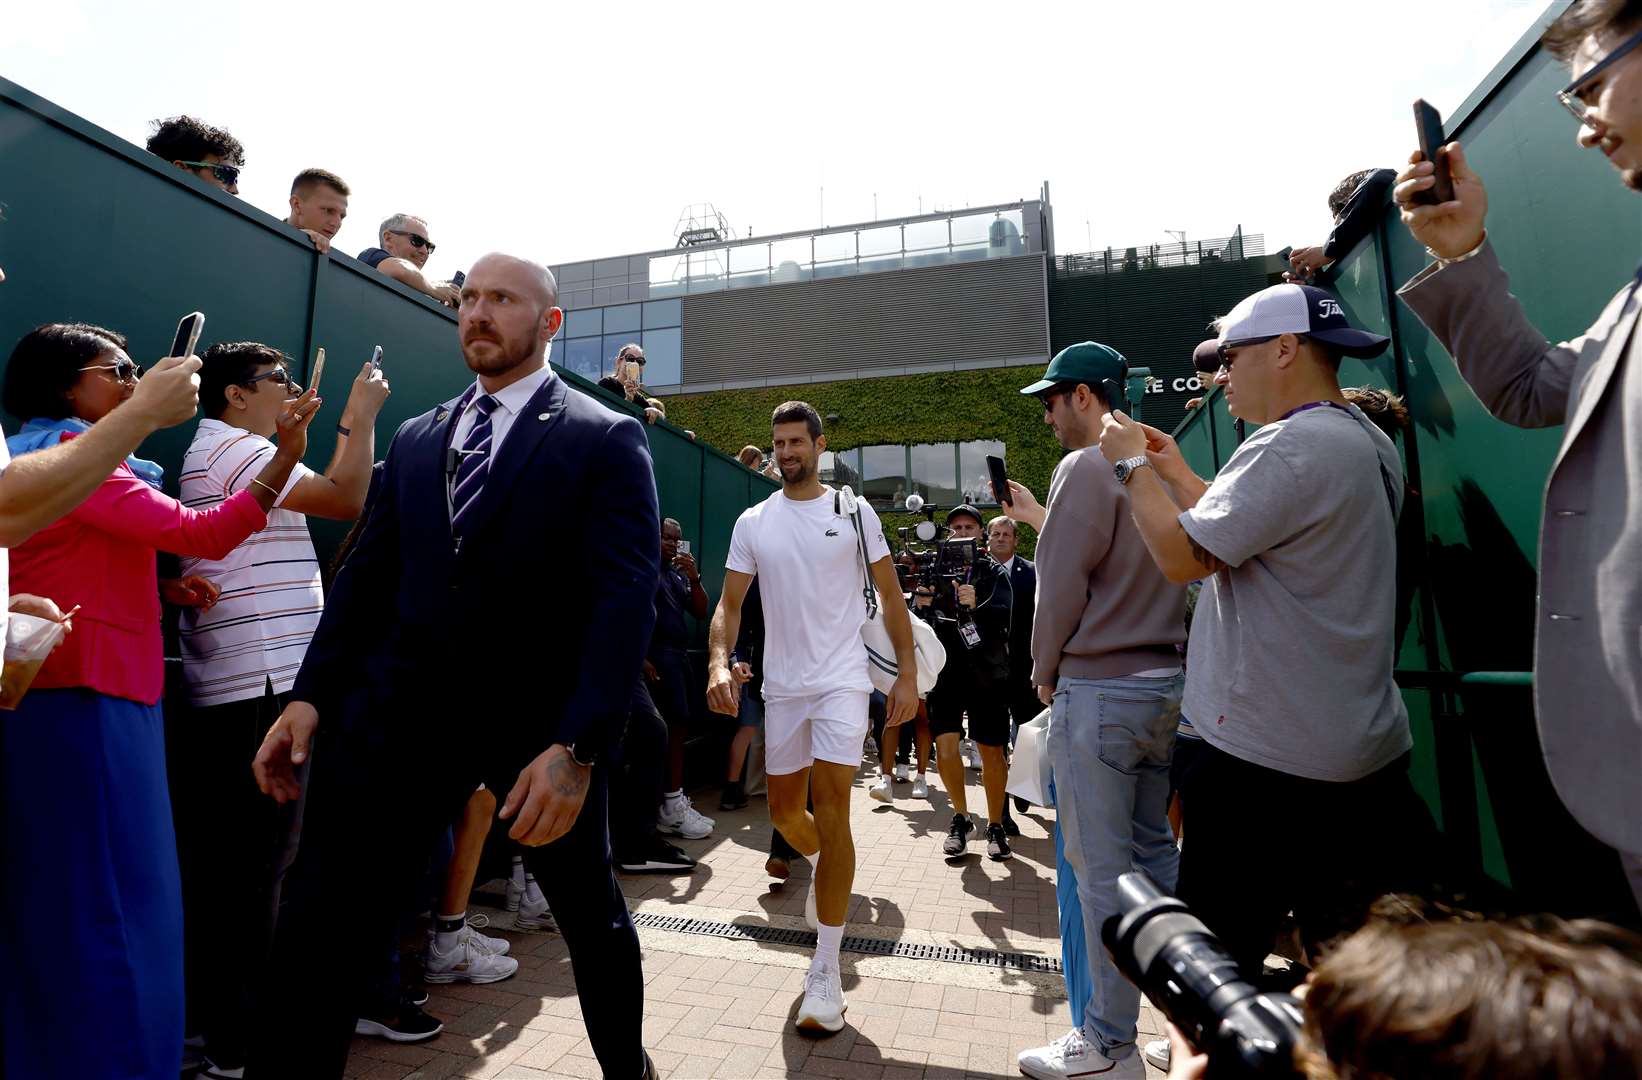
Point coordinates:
[(1302, 801)]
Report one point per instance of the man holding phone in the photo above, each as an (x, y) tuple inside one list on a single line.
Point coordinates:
[(1587, 661), (678, 594)]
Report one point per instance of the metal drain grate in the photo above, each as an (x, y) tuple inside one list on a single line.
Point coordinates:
[(950, 954)]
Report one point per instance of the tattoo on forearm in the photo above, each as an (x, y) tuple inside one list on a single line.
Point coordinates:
[(1204, 556), (569, 780)]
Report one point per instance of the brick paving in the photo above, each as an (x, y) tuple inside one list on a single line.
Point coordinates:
[(723, 1008)]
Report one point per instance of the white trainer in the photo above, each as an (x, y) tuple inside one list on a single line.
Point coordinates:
[(1156, 1053), (971, 757), (466, 963), (534, 914), (679, 818), (824, 1005), (1072, 1055), (495, 946), (920, 787), (902, 773), (881, 791)]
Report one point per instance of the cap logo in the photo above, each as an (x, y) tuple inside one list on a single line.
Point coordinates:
[(1330, 308)]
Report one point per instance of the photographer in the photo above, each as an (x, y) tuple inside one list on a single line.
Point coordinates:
[(968, 601)]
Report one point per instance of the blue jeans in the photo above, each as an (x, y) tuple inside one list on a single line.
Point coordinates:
[(1110, 741)]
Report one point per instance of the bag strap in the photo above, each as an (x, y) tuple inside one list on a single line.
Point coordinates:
[(868, 594)]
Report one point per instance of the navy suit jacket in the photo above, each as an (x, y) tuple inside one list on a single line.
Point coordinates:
[(1023, 579), (533, 631)]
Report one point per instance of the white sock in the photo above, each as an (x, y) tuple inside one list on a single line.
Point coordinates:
[(814, 860), (827, 940), (445, 941), (518, 872), (673, 796)]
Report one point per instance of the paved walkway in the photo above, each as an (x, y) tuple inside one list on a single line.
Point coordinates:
[(717, 1007)]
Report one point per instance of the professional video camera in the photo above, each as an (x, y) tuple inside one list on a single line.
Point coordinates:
[(1164, 949), (931, 560)]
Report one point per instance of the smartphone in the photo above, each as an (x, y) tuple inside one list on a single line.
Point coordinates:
[(319, 368), (684, 547), (1000, 480), (633, 371), (1115, 397), (1428, 126), (376, 358), (188, 334)]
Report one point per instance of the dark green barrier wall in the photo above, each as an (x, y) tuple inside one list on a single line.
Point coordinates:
[(100, 231), (1570, 235)]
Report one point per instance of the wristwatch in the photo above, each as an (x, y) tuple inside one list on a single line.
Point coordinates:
[(586, 758), (1126, 468)]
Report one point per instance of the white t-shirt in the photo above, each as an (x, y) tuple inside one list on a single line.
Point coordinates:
[(809, 577), (259, 630)]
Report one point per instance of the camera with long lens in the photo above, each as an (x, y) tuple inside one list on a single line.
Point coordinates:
[(931, 560), (1164, 949)]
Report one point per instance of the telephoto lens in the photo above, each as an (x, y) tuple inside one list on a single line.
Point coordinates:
[(1165, 950)]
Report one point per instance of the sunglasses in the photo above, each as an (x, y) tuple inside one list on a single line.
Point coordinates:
[(1570, 97), (1225, 350), (228, 174), (639, 360), (125, 371), (417, 240), (278, 375)]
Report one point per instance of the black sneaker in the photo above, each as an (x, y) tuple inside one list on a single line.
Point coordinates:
[(407, 1024), (416, 996), (657, 856), (957, 835), (734, 797), (1021, 805), (997, 844)]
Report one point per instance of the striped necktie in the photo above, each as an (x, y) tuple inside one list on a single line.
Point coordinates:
[(470, 473)]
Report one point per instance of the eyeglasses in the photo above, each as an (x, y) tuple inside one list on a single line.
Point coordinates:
[(1226, 349), (228, 174), (417, 240), (124, 370), (1047, 397), (278, 375), (1571, 95)]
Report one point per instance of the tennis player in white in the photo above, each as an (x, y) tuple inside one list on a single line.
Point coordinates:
[(808, 562)]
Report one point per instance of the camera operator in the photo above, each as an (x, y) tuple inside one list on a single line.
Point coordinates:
[(968, 601)]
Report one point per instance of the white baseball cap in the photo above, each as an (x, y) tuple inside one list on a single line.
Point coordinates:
[(1298, 309)]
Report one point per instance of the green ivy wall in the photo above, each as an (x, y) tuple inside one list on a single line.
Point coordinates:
[(905, 409)]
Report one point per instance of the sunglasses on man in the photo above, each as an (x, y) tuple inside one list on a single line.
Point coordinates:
[(417, 240), (1572, 96), (228, 174), (125, 371), (278, 375)]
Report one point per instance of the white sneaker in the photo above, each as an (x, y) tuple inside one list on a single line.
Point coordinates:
[(971, 757), (881, 791), (824, 1005), (901, 772), (1072, 1055), (534, 913), (466, 963), (494, 946), (869, 749), (920, 787), (679, 818), (1156, 1053)]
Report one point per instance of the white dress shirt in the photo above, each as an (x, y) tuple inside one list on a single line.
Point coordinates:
[(509, 400)]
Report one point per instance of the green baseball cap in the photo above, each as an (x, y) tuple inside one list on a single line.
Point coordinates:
[(1086, 362)]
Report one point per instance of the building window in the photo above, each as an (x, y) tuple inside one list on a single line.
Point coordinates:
[(585, 323), (661, 356), (581, 355), (621, 320), (935, 472), (972, 472), (884, 475)]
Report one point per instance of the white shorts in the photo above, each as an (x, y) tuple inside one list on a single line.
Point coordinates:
[(799, 731)]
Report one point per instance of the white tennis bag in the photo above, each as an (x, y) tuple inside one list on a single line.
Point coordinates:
[(881, 666)]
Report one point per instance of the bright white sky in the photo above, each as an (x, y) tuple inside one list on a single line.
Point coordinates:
[(567, 131)]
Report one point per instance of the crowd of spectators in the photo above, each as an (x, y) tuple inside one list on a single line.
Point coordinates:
[(1274, 728)]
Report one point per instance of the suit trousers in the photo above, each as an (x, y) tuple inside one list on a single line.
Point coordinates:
[(376, 805)]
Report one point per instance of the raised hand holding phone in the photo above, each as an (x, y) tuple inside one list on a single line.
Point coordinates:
[(1451, 228)]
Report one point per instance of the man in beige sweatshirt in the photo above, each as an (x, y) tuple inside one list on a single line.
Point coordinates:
[(1105, 658)]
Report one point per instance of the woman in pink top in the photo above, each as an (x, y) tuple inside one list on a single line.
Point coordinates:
[(86, 841)]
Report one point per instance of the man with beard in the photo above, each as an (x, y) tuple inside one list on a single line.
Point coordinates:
[(1587, 662), (802, 544), (446, 657)]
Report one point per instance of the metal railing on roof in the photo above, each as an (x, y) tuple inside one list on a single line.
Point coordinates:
[(1114, 260)]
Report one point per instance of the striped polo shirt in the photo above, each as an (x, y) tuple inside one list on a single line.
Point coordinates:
[(260, 627)]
